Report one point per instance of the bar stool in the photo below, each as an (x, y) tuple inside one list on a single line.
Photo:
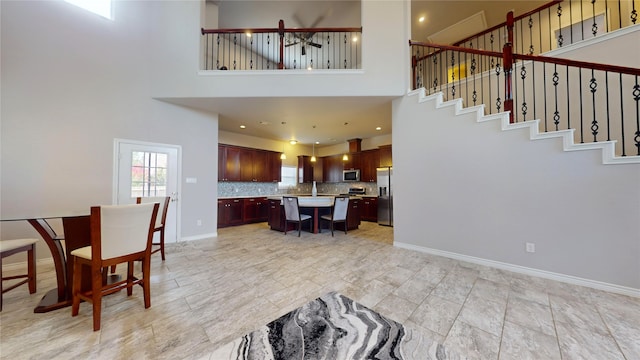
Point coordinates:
[(12, 247)]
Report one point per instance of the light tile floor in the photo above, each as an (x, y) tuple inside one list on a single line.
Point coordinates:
[(209, 292)]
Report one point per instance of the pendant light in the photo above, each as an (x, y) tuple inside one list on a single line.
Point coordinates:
[(345, 157), (283, 156), (313, 157)]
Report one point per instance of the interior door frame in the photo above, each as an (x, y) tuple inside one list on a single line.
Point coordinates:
[(116, 169)]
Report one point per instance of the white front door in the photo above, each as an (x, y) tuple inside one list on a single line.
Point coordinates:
[(148, 170)]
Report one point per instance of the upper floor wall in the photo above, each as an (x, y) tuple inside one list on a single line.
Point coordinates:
[(177, 48)]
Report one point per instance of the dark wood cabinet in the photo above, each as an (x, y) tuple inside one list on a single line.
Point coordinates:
[(369, 209), (353, 214), (275, 215), (255, 210), (332, 168), (352, 162), (385, 155), (369, 162), (305, 169), (248, 165), (230, 212), (228, 163), (274, 167)]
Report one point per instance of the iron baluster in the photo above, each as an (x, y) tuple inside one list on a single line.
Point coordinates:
[(556, 113), (636, 97), (498, 100), (269, 48), (560, 38), (594, 27), (473, 72), (453, 76), (624, 152), (530, 35), (567, 95), (581, 106), (606, 92), (523, 76), (594, 124)]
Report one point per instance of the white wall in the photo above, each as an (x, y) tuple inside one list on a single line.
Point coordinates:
[(71, 83), (469, 189)]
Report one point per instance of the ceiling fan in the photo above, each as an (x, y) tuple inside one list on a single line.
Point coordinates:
[(305, 38)]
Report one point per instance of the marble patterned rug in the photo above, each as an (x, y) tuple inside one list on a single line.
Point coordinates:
[(333, 327)]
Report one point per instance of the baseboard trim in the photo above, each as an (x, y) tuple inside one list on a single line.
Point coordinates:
[(569, 279), (199, 237)]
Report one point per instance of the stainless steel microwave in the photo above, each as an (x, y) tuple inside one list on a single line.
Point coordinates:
[(351, 175)]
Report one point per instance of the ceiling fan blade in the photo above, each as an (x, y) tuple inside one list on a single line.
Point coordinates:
[(304, 52), (318, 20), (293, 43), (314, 44), (296, 18)]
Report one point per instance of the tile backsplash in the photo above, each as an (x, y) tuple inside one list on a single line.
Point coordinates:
[(230, 189)]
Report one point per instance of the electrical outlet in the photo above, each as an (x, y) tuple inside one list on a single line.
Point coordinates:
[(199, 222), (530, 247)]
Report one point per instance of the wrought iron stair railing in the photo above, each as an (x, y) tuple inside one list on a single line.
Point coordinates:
[(557, 24), (602, 102)]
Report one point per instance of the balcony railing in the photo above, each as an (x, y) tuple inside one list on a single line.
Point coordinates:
[(282, 48)]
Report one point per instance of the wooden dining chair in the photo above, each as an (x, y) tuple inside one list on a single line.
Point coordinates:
[(338, 213), (12, 247), (292, 214), (160, 220), (119, 234)]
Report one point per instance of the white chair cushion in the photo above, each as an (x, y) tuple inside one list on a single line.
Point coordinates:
[(83, 252), (6, 245), (304, 217)]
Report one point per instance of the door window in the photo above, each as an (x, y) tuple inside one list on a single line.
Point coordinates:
[(148, 174)]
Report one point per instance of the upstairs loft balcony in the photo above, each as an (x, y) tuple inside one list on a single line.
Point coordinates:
[(282, 48)]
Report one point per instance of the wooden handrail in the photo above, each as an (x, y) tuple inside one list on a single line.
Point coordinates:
[(547, 59), (275, 30)]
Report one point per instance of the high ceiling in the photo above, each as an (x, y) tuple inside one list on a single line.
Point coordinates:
[(330, 120)]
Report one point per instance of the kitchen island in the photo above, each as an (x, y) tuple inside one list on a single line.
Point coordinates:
[(314, 206)]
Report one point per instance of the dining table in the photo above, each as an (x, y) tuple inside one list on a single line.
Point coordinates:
[(76, 229), (316, 203)]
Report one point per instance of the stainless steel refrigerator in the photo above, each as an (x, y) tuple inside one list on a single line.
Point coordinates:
[(385, 196)]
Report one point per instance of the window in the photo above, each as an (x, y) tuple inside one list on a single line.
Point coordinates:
[(148, 174), (99, 7), (288, 177)]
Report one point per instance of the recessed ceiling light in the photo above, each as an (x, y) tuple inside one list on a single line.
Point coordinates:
[(317, 142), (293, 142), (242, 127), (264, 123), (354, 39), (378, 128), (421, 19)]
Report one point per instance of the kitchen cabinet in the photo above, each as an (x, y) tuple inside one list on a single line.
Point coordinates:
[(385, 155), (228, 163), (369, 209), (305, 169), (274, 167), (332, 168), (253, 165), (353, 214), (230, 212), (369, 162), (255, 210), (275, 215), (353, 161), (236, 163)]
